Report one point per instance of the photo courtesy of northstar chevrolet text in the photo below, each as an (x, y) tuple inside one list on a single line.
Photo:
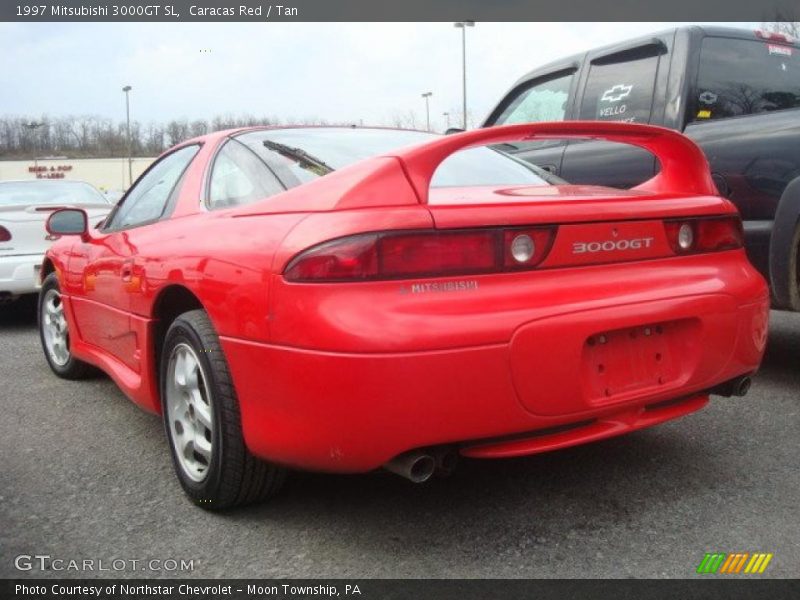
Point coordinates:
[(289, 293)]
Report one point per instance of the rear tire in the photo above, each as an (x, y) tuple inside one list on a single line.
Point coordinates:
[(203, 422), (54, 333), (794, 272)]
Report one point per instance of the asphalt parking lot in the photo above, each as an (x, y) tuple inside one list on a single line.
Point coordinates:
[(86, 475)]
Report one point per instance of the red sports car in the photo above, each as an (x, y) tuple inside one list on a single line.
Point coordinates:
[(336, 299)]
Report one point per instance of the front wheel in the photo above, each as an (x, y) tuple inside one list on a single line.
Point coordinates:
[(54, 333), (203, 423)]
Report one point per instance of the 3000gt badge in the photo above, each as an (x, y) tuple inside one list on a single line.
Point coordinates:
[(611, 245)]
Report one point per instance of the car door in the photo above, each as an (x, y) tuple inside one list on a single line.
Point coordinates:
[(103, 265), (544, 97), (619, 84)]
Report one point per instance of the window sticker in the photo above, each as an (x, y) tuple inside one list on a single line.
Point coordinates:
[(708, 97), (703, 114), (611, 105), (616, 93), (779, 50)]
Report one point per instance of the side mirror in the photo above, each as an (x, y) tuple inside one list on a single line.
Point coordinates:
[(68, 221)]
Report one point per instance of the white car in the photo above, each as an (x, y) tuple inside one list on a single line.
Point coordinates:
[(24, 208)]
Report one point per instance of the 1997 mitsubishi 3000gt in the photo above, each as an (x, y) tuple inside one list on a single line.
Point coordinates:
[(336, 299)]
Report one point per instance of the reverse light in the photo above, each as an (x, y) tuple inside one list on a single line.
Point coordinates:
[(5, 234), (403, 254), (522, 248), (685, 237), (708, 234)]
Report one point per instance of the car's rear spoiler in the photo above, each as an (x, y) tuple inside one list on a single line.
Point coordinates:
[(684, 169)]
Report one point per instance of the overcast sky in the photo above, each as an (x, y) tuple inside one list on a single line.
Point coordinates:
[(341, 72)]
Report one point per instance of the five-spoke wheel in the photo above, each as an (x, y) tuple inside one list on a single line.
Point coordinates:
[(203, 423), (189, 413), (54, 333), (54, 327)]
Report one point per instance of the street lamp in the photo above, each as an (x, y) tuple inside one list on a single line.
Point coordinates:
[(446, 115), (33, 126), (462, 25), (127, 89), (427, 96)]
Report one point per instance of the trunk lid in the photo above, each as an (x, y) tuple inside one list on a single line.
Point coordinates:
[(593, 224)]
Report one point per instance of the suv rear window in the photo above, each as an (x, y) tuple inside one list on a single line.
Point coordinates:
[(742, 77), (620, 91)]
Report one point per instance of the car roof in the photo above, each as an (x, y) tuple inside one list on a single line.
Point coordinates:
[(224, 133), (708, 30)]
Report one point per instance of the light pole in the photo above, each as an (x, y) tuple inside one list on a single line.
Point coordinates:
[(427, 96), (127, 90), (462, 25), (33, 126), (446, 115)]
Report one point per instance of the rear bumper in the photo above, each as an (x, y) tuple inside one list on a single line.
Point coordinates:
[(20, 274), (349, 412)]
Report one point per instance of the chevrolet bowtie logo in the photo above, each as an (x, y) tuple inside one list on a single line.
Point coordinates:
[(734, 563), (616, 93)]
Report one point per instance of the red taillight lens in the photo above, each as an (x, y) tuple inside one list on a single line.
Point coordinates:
[(350, 258), (5, 235), (705, 235), (395, 255), (437, 254)]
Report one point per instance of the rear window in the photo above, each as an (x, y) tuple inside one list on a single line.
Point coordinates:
[(743, 77), (30, 193), (620, 91), (337, 148)]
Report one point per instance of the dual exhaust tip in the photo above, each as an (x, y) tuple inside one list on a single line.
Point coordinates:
[(420, 465), (738, 386)]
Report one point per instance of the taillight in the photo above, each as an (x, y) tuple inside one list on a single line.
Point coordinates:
[(396, 255), (688, 236), (5, 235)]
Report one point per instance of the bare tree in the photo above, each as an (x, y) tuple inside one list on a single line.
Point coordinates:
[(786, 22), (88, 136)]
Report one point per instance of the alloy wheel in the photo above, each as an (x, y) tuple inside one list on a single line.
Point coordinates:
[(55, 329), (189, 412)]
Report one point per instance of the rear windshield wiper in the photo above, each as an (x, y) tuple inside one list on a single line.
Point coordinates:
[(301, 157)]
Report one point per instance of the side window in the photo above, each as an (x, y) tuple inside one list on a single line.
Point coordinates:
[(620, 90), (545, 101), (148, 199), (239, 177), (742, 77)]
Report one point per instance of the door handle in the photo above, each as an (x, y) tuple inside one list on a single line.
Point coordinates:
[(127, 270)]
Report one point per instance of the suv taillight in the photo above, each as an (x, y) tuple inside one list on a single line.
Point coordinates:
[(689, 236), (5, 235), (398, 255)]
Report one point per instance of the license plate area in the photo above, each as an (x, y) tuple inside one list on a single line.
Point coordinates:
[(622, 362)]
